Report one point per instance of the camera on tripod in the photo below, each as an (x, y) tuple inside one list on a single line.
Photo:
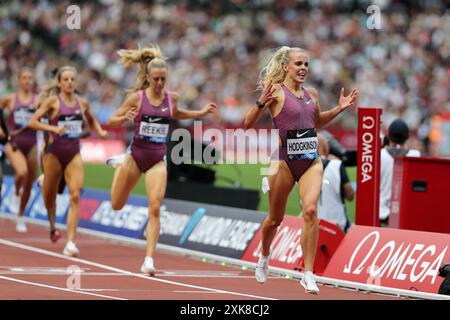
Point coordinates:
[(348, 157), (444, 271)]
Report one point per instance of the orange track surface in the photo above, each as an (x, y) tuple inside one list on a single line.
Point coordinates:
[(111, 271)]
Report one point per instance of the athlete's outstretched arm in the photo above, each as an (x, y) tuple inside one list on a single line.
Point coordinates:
[(268, 97), (5, 101), (324, 117), (46, 107), (127, 111), (91, 120), (180, 114)]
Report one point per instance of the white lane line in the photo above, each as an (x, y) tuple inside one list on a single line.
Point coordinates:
[(59, 288), (187, 291), (103, 266), (37, 270), (202, 276), (99, 290), (115, 274)]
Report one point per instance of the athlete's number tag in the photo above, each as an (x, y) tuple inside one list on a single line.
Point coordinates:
[(44, 120), (154, 129), (72, 124), (302, 144), (22, 116)]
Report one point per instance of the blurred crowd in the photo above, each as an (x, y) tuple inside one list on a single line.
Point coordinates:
[(217, 48)]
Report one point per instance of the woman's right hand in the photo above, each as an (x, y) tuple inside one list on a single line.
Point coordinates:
[(16, 132), (131, 113), (267, 94), (59, 130)]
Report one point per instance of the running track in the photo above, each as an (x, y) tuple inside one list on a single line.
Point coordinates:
[(31, 267)]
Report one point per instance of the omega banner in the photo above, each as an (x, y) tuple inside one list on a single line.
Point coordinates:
[(395, 258), (286, 248), (368, 167)]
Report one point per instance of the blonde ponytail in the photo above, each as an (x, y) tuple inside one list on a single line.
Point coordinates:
[(48, 89), (146, 59), (273, 70)]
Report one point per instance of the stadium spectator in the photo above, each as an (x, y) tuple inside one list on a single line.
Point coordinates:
[(216, 46)]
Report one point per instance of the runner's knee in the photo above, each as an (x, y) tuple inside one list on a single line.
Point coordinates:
[(116, 204), (75, 196), (22, 173), (117, 201), (154, 208), (274, 222), (310, 213)]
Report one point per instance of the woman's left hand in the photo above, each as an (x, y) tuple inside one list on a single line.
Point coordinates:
[(347, 101), (103, 133), (209, 108)]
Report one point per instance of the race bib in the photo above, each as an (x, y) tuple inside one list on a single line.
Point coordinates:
[(22, 116), (44, 120), (302, 144), (154, 129), (72, 124)]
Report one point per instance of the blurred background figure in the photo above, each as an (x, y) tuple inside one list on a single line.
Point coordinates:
[(336, 187), (3, 141), (216, 46), (398, 134), (21, 148)]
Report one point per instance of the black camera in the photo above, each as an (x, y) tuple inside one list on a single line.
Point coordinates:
[(348, 157), (444, 270)]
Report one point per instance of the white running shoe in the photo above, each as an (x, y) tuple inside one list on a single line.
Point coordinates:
[(14, 203), (71, 249), (20, 225), (148, 266), (115, 160), (309, 283), (262, 268), (40, 181)]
